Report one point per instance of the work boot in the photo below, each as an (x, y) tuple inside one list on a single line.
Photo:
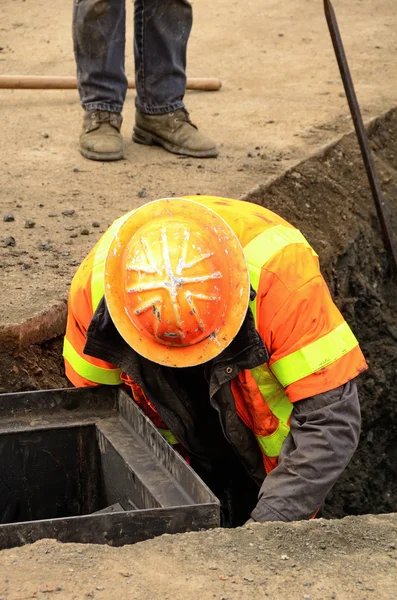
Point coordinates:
[(101, 138), (173, 131)]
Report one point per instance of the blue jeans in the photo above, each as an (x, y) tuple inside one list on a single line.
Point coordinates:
[(161, 33)]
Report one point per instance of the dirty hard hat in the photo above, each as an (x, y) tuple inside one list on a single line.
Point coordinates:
[(176, 282)]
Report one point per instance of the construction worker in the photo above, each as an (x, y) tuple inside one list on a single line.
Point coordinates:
[(213, 312), (161, 33)]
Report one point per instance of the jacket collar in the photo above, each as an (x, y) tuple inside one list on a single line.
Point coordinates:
[(246, 351)]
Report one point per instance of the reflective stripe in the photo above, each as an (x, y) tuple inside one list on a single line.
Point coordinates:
[(257, 253), (297, 365), (271, 444), (98, 267), (168, 435), (280, 405), (264, 246), (87, 370), (273, 391), (315, 356), (255, 275)]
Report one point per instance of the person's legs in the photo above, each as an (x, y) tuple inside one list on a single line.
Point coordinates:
[(161, 33), (99, 47), (162, 29)]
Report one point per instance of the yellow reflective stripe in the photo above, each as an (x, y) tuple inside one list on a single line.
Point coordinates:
[(280, 405), (168, 435), (97, 283), (87, 370), (255, 275), (257, 253), (264, 246), (274, 393), (315, 356), (272, 444)]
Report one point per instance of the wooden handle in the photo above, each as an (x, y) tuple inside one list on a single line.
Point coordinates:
[(48, 82)]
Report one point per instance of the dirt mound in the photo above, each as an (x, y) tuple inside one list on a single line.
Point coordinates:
[(317, 560)]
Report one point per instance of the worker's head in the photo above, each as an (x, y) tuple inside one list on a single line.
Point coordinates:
[(176, 282)]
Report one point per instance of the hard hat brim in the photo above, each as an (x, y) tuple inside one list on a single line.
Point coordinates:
[(236, 271)]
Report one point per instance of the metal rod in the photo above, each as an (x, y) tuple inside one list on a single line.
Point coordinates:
[(361, 133), (49, 82)]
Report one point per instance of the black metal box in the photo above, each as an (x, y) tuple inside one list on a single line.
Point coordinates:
[(86, 465)]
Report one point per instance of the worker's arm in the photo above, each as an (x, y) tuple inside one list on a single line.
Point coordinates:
[(324, 434)]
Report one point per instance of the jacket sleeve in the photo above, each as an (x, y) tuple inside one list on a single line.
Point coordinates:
[(83, 369), (324, 434)]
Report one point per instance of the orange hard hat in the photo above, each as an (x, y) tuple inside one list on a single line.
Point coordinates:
[(176, 282)]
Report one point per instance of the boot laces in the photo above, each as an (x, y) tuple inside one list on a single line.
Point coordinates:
[(182, 115), (101, 116), (98, 117)]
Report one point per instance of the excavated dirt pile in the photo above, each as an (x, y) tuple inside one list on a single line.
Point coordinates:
[(328, 198), (349, 559)]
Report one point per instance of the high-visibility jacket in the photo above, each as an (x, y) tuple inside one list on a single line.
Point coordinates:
[(312, 349)]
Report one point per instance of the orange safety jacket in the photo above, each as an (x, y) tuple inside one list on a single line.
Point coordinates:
[(312, 349)]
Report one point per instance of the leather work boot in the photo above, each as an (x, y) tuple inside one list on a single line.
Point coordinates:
[(173, 131), (101, 138)]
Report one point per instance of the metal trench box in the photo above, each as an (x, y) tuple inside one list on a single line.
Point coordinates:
[(86, 465)]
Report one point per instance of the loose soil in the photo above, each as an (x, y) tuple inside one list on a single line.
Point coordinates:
[(354, 558)]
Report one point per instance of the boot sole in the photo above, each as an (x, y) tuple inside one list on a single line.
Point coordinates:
[(102, 156), (140, 136)]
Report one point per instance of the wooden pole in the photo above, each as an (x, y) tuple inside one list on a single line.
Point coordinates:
[(49, 82)]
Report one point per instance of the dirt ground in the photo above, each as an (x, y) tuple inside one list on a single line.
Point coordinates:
[(282, 99), (354, 558)]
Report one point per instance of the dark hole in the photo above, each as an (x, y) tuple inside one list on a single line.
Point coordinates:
[(50, 474)]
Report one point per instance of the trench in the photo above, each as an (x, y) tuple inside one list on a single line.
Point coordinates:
[(328, 198)]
